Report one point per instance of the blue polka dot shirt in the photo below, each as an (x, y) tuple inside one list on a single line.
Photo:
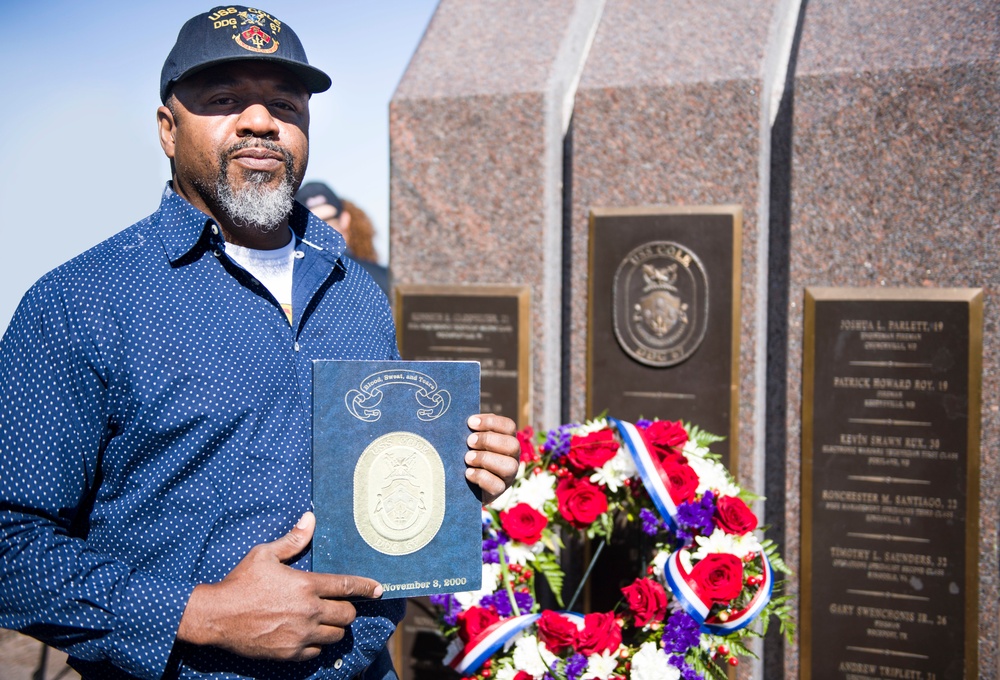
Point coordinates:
[(155, 425)]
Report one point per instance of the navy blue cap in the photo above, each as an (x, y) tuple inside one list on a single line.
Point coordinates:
[(235, 33), (314, 194)]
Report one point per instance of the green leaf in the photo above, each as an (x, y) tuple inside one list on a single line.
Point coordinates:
[(774, 557), (548, 566), (700, 437)]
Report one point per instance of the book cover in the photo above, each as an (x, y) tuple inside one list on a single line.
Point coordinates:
[(389, 489)]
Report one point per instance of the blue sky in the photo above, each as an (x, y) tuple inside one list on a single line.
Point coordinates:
[(80, 158)]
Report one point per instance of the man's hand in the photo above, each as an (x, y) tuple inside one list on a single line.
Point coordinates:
[(494, 456), (264, 609)]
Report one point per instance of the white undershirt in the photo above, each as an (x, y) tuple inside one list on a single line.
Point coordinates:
[(273, 268)]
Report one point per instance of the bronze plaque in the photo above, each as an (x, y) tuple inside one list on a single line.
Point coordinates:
[(890, 483), (663, 322), (488, 324)]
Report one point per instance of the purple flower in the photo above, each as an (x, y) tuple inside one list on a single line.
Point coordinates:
[(500, 602), (490, 553), (557, 441), (575, 666), (695, 519), (651, 524), (642, 423), (687, 672), (524, 601), (681, 633), (451, 607)]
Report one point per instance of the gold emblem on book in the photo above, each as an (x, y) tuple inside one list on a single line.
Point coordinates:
[(399, 493)]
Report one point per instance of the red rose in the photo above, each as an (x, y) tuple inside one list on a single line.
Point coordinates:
[(681, 481), (523, 523), (733, 516), (592, 451), (601, 633), (718, 577), (473, 621), (523, 675), (666, 438), (557, 632), (580, 501), (526, 438), (647, 599)]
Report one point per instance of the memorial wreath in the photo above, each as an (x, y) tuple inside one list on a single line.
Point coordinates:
[(687, 615)]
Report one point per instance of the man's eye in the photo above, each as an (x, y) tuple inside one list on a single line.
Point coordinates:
[(284, 106), (223, 101)]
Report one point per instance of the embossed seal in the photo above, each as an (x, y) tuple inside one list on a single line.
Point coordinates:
[(399, 493), (660, 303)]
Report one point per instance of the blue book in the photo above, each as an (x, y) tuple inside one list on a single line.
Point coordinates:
[(389, 489)]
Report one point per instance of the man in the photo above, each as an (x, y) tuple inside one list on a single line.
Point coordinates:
[(155, 401), (325, 204)]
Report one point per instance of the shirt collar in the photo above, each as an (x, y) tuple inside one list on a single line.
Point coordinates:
[(182, 228)]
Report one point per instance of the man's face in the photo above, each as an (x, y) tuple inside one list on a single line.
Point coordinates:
[(239, 137)]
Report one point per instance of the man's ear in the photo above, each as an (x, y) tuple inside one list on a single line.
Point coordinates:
[(167, 128)]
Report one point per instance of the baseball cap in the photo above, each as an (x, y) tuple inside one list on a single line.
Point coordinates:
[(236, 33), (314, 194)]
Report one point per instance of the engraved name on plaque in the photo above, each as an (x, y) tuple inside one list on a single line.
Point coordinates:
[(663, 317), (890, 483), (488, 324)]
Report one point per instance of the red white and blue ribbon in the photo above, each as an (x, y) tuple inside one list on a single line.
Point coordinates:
[(687, 595), (649, 470), (468, 658)]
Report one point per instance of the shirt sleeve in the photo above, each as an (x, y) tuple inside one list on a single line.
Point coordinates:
[(54, 427)]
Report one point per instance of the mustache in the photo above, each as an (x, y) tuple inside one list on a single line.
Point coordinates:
[(258, 143)]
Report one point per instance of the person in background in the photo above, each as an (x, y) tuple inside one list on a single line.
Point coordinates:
[(353, 224)]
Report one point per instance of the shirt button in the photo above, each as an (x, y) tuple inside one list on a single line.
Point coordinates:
[(296, 346), (299, 254), (217, 252), (215, 229), (338, 663)]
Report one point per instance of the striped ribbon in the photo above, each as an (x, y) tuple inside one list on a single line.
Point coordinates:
[(649, 470), (468, 658), (686, 593)]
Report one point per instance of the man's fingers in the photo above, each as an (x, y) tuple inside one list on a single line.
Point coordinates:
[(490, 422), (328, 635), (496, 442), (345, 587), (336, 614), (491, 485), (295, 541), (501, 465)]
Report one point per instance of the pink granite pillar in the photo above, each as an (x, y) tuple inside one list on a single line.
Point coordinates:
[(476, 133), (894, 132)]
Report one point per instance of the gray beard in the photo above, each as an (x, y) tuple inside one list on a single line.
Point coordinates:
[(255, 205)]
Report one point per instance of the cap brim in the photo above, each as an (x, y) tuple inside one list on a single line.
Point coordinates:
[(311, 77)]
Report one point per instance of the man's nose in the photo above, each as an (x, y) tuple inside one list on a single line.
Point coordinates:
[(256, 121)]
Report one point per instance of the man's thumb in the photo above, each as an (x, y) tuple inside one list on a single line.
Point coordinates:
[(296, 540)]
